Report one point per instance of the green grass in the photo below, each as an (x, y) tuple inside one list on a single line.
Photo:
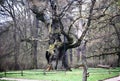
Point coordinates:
[(76, 75), (3, 80)]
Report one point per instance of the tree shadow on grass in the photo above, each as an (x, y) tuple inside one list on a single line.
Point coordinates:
[(1, 75)]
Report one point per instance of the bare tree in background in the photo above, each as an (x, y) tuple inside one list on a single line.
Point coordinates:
[(9, 7)]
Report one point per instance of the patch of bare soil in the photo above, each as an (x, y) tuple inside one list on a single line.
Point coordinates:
[(15, 79), (113, 79)]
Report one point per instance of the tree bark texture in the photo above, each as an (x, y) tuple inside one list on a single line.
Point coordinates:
[(85, 73)]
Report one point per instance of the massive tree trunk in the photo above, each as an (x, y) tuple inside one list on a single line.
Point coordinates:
[(57, 46), (62, 56)]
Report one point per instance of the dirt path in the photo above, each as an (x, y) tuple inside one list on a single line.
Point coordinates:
[(113, 79), (14, 79)]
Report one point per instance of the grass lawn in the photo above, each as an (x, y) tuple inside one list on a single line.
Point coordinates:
[(95, 74)]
